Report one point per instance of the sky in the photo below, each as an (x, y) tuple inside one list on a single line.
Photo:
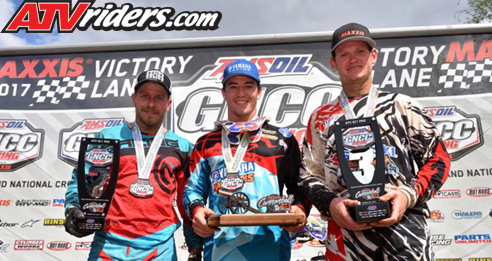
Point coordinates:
[(255, 17)]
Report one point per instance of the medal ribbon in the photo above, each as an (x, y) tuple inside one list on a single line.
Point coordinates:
[(144, 164), (349, 112), (233, 163)]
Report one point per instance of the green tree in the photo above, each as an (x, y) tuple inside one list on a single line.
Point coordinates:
[(478, 11)]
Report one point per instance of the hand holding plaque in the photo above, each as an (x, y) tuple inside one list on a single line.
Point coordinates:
[(234, 205), (97, 173), (359, 141)]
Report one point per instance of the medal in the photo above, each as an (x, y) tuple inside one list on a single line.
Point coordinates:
[(142, 188)]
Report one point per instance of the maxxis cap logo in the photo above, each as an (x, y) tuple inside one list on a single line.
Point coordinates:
[(69, 139), (20, 144), (462, 133)]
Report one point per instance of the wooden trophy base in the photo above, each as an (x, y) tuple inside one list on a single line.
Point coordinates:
[(263, 219)]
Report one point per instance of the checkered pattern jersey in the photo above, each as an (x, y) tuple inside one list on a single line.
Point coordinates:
[(416, 163)]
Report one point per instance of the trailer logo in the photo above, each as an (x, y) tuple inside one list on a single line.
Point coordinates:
[(462, 133), (69, 145), (20, 144), (37, 16)]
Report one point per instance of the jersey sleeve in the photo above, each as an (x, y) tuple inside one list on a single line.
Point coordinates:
[(183, 176), (198, 185), (429, 153), (312, 175), (291, 166)]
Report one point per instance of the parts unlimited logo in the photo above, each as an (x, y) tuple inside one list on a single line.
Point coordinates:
[(40, 16), (20, 144)]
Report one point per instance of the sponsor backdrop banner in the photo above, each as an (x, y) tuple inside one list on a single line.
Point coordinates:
[(49, 102)]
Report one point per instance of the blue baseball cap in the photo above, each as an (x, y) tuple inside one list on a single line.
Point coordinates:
[(241, 67)]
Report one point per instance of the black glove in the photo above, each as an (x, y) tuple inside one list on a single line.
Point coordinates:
[(195, 255), (70, 226)]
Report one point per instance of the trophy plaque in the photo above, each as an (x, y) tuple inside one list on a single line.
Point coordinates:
[(361, 161), (234, 205), (97, 172)]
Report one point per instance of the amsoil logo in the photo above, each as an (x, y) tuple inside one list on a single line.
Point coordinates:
[(461, 132), (69, 142), (20, 144), (450, 193), (82, 246), (29, 245), (479, 192), (39, 17), (58, 245), (267, 66)]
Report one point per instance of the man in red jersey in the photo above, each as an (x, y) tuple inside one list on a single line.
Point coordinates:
[(153, 170)]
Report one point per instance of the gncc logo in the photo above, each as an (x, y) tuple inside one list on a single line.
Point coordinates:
[(70, 138), (20, 144), (40, 16), (461, 132)]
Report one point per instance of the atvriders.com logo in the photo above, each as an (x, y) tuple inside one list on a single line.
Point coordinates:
[(40, 16)]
